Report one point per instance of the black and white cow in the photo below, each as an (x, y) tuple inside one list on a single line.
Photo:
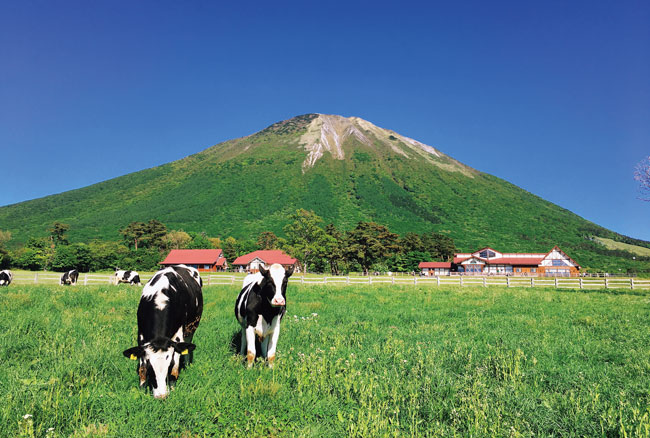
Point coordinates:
[(168, 315), (260, 306), (130, 277), (69, 277), (5, 277)]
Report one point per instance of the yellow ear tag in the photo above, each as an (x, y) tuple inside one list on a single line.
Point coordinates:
[(133, 357), (184, 352)]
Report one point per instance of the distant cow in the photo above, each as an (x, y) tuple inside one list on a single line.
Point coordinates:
[(260, 306), (69, 277), (5, 277), (130, 277), (168, 315)]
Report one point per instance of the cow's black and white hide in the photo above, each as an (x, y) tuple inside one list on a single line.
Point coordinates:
[(5, 277), (260, 306), (168, 315), (69, 278), (130, 277)]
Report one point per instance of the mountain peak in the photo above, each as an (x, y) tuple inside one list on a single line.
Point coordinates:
[(328, 133)]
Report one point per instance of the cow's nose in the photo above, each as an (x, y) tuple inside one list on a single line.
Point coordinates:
[(161, 396), (278, 302)]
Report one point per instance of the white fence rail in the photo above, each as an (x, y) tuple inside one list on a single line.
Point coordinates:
[(226, 279)]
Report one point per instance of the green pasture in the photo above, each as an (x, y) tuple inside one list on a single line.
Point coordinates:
[(366, 361)]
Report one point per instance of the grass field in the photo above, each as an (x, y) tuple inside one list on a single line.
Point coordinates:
[(634, 249), (352, 361)]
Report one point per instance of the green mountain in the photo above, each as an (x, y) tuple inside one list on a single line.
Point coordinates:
[(346, 170)]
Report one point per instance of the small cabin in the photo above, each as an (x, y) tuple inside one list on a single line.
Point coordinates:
[(434, 268), (251, 262)]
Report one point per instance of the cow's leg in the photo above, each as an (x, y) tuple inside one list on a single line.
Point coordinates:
[(242, 348), (264, 346), (178, 337), (250, 345), (273, 340)]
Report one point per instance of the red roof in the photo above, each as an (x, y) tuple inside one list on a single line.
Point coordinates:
[(194, 257), (268, 256), (532, 261), (431, 265), (459, 260)]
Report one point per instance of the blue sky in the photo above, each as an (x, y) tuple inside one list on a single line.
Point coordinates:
[(551, 96)]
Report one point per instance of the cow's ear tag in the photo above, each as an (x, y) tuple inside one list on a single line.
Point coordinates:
[(133, 357), (184, 352)]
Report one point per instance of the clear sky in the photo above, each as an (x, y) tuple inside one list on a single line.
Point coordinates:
[(552, 96)]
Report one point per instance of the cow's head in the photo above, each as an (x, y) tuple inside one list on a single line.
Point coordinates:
[(274, 284), (157, 361)]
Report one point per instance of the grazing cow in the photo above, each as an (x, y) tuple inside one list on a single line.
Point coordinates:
[(5, 277), (260, 306), (130, 277), (168, 315), (69, 277)]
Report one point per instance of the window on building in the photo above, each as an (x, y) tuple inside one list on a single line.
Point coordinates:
[(518, 270), (508, 268), (486, 254), (533, 269), (558, 262)]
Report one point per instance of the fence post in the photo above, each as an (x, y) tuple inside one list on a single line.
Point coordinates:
[(324, 280), (581, 285), (484, 282), (302, 279), (507, 281), (347, 279), (438, 280), (232, 279), (85, 279), (209, 279), (555, 282), (415, 280), (606, 283), (36, 278), (392, 279), (461, 280), (631, 283), (532, 282), (369, 278)]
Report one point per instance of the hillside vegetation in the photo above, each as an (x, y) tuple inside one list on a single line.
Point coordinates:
[(365, 361), (243, 187), (633, 249)]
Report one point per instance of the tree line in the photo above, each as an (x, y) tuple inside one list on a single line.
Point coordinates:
[(319, 248)]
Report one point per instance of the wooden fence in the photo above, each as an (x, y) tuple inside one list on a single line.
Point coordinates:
[(229, 279)]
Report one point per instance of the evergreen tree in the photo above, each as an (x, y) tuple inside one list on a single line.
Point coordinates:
[(305, 239), (267, 240), (133, 234), (57, 233), (369, 243)]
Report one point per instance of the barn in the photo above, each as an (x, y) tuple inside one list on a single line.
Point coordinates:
[(250, 262), (205, 260)]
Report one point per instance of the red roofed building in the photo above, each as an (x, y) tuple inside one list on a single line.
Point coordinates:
[(555, 263), (205, 260), (251, 262), (435, 268)]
